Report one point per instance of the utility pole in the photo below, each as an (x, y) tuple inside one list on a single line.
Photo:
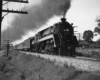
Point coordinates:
[(10, 11), (7, 46), (80, 36), (0, 21)]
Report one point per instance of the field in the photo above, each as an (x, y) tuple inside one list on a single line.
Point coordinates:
[(20, 66)]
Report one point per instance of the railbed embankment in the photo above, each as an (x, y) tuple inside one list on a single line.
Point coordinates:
[(20, 66), (78, 63)]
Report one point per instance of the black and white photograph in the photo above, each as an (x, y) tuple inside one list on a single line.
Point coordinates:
[(50, 40)]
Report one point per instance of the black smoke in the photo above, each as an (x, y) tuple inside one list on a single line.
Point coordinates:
[(37, 16)]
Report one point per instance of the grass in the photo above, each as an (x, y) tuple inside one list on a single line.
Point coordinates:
[(20, 66), (87, 76)]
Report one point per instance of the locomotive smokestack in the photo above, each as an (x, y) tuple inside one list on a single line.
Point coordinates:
[(63, 19)]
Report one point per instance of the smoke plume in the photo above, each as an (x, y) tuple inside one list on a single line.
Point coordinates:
[(37, 16)]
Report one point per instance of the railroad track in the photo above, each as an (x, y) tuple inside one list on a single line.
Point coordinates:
[(80, 63), (88, 58)]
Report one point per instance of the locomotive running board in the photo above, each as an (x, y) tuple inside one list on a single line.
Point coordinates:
[(46, 38)]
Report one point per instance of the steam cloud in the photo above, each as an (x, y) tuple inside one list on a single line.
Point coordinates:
[(37, 16)]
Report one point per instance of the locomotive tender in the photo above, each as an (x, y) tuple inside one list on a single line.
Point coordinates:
[(58, 39)]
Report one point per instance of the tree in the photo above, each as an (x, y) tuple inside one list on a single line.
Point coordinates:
[(98, 19), (88, 35), (97, 29)]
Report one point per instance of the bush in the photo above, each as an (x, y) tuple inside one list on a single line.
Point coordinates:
[(95, 54)]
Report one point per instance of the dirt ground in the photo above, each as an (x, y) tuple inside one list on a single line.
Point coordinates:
[(20, 66)]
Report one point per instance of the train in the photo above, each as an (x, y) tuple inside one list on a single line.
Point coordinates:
[(58, 39)]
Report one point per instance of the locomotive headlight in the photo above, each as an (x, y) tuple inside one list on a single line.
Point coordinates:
[(68, 48), (67, 30)]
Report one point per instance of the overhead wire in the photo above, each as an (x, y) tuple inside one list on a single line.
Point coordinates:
[(13, 27), (18, 24), (18, 21), (20, 18), (8, 26), (8, 34)]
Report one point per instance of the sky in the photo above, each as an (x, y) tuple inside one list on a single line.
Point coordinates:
[(82, 13)]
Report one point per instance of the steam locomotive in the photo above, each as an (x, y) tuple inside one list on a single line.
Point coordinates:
[(58, 39)]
